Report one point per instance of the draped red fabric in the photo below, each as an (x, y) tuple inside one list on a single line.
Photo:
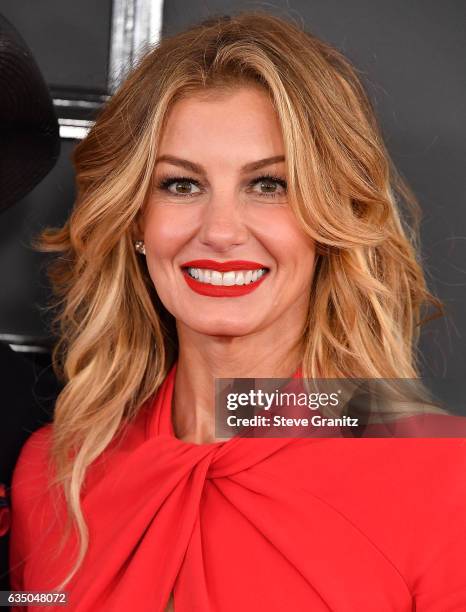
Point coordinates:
[(270, 524)]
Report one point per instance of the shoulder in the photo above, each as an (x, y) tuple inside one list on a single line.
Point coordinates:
[(31, 472), (37, 443), (28, 486), (34, 454)]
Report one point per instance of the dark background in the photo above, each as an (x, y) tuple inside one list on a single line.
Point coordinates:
[(412, 60)]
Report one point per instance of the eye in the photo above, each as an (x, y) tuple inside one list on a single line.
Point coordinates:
[(182, 186), (270, 186)]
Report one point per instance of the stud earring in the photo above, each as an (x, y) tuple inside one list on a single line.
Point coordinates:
[(139, 246)]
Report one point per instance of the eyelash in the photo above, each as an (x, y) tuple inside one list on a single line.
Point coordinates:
[(165, 183)]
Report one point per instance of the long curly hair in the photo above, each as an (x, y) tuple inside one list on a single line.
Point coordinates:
[(116, 341)]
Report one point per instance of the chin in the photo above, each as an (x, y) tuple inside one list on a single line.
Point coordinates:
[(222, 327)]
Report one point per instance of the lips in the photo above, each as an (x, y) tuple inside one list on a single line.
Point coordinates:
[(223, 266), (221, 290)]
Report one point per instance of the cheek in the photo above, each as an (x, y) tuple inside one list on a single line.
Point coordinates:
[(290, 246), (163, 232)]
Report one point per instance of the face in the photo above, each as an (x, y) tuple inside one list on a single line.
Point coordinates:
[(219, 194)]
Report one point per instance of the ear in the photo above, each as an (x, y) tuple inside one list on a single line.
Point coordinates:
[(137, 230)]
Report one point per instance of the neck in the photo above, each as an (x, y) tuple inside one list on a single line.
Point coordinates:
[(203, 358)]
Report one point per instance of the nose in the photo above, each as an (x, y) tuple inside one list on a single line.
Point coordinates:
[(223, 225)]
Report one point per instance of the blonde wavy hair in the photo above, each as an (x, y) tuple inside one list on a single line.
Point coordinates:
[(117, 341)]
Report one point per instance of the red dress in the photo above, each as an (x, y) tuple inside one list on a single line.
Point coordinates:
[(277, 524)]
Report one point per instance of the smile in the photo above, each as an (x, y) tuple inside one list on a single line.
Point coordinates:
[(230, 283), (227, 279)]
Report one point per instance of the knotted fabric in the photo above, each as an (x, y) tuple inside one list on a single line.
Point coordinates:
[(302, 524)]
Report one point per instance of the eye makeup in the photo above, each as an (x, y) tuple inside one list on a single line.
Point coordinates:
[(164, 183)]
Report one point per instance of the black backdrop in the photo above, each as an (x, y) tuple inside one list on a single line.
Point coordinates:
[(412, 58)]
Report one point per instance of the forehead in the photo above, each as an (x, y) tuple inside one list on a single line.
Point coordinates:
[(223, 121)]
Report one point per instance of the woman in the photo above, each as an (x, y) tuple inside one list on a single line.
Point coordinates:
[(248, 143)]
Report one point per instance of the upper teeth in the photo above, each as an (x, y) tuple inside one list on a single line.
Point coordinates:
[(213, 277)]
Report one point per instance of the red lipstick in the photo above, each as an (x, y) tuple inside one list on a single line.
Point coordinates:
[(222, 290), (223, 266)]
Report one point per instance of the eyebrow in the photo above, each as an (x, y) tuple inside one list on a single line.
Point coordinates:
[(249, 167)]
